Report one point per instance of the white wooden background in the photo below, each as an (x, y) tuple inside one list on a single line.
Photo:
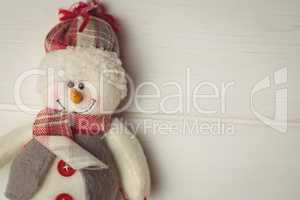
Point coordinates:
[(219, 41)]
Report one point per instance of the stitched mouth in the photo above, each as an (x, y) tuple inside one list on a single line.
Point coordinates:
[(90, 107), (85, 110), (60, 104)]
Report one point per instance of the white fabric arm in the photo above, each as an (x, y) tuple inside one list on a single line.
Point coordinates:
[(131, 161), (12, 143)]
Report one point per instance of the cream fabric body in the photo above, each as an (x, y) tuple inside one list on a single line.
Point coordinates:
[(67, 150), (56, 184), (87, 65), (126, 149), (11, 143)]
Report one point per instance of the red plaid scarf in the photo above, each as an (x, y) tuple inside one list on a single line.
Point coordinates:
[(52, 122)]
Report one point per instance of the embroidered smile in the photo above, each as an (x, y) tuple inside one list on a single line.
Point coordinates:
[(84, 110)]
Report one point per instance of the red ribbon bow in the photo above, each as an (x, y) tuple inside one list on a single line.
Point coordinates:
[(88, 10)]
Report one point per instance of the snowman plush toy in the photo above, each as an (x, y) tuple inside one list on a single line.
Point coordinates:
[(75, 149)]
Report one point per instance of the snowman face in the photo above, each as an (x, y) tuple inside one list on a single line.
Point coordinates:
[(83, 81), (83, 97)]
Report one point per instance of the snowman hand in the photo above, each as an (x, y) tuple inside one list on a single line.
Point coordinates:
[(11, 143), (123, 195), (130, 160)]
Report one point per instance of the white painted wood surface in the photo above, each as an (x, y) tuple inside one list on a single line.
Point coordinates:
[(218, 41)]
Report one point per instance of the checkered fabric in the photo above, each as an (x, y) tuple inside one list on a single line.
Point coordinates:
[(85, 25), (52, 122)]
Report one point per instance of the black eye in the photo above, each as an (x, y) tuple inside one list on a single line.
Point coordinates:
[(71, 84), (81, 86)]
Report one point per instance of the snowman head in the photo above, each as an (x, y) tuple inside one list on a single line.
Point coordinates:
[(83, 80), (85, 74)]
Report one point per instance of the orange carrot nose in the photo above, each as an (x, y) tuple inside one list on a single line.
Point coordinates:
[(75, 96)]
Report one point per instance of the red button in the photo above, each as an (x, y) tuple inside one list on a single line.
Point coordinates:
[(64, 169), (64, 196)]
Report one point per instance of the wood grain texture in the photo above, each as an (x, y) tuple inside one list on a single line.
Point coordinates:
[(238, 41)]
